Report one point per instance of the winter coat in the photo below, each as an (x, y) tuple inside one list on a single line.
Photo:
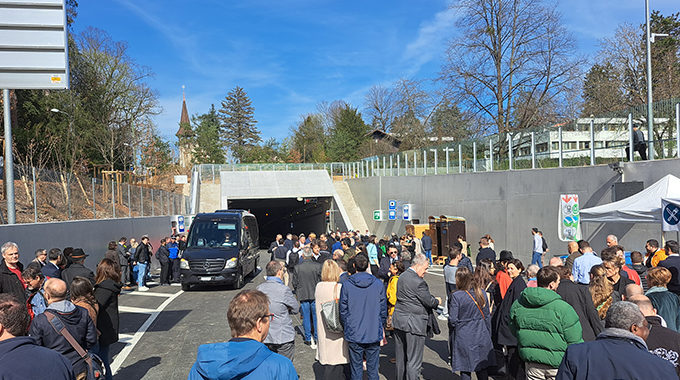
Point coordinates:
[(173, 250), (663, 342), (469, 334), (544, 326), (21, 358), (641, 270), (50, 270), (77, 322), (466, 262), (163, 254), (113, 256), (578, 296), (486, 253), (500, 329), (363, 309), (36, 300), (667, 305), (414, 302), (240, 358), (391, 294), (282, 303), (123, 255), (10, 282), (307, 275), (672, 263), (142, 254), (76, 270), (106, 293), (615, 354)]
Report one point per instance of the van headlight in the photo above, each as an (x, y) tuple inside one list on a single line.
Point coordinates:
[(183, 264), (231, 263)]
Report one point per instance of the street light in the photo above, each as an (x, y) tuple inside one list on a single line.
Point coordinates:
[(650, 111)]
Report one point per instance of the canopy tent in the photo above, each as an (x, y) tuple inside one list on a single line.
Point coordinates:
[(643, 207)]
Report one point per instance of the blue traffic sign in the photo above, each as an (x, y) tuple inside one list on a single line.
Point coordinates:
[(407, 212), (392, 214), (180, 224), (392, 204), (671, 214)]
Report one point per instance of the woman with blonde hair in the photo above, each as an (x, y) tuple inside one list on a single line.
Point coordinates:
[(331, 349), (602, 290)]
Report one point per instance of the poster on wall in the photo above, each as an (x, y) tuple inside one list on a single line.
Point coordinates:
[(670, 208), (569, 228)]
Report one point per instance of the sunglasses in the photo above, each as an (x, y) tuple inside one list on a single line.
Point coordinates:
[(270, 316)]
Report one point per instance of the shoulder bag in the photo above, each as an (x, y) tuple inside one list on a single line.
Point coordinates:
[(330, 313), (95, 365)]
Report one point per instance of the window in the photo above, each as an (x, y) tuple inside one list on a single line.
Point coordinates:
[(541, 148), (213, 233), (599, 144), (584, 144), (556, 145)]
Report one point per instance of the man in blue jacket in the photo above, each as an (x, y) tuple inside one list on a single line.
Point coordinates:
[(363, 311), (619, 352), (20, 356), (244, 356)]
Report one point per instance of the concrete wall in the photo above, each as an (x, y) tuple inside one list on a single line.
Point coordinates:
[(91, 235), (507, 204)]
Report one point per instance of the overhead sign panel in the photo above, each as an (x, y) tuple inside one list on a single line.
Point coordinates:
[(33, 44)]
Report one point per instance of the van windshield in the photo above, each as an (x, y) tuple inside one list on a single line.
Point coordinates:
[(214, 233)]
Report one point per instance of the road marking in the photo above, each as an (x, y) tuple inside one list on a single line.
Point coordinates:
[(120, 358), (138, 293), (435, 274), (132, 309)]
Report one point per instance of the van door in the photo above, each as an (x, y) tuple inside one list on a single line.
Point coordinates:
[(251, 239)]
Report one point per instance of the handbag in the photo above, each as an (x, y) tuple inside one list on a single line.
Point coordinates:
[(330, 313), (95, 366)]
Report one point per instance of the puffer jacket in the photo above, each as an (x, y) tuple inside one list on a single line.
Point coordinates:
[(544, 326)]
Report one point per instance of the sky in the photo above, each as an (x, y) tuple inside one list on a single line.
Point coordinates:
[(291, 55)]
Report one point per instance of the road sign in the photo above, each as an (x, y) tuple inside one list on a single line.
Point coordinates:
[(180, 224), (392, 204), (671, 215), (378, 215), (407, 212), (392, 215), (34, 52)]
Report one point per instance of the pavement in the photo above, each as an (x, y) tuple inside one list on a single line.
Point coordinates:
[(162, 328)]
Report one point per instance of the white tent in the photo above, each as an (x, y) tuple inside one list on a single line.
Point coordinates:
[(643, 207)]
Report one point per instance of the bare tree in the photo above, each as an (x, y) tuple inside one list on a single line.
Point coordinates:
[(380, 106), (513, 64), (625, 52)]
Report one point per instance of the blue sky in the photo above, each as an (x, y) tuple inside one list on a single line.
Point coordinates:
[(290, 55)]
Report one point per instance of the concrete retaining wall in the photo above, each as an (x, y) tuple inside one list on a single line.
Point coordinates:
[(507, 204), (91, 235)]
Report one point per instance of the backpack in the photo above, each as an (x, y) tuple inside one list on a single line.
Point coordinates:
[(281, 252)]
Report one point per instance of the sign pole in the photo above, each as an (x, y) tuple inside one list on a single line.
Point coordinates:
[(9, 167)]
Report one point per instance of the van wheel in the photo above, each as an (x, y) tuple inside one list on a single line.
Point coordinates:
[(186, 287), (239, 280)]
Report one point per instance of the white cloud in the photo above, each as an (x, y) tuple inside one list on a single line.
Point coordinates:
[(429, 43)]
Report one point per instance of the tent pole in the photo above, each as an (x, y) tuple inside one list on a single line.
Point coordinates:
[(663, 238)]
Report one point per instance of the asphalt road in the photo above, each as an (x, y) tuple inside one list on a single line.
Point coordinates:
[(161, 330)]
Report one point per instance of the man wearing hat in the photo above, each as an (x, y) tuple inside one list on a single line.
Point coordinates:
[(77, 268)]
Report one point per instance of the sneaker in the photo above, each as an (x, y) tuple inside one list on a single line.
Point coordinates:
[(142, 289), (176, 284), (442, 317), (313, 344), (308, 342)]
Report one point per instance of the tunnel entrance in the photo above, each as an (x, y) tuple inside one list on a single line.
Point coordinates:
[(283, 215)]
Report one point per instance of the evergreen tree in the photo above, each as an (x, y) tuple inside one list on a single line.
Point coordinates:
[(238, 131), (347, 134), (206, 140), (309, 138)]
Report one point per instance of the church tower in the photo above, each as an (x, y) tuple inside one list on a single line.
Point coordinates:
[(184, 135)]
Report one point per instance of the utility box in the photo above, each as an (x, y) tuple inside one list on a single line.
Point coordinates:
[(444, 231)]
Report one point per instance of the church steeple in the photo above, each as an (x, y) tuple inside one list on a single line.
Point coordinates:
[(184, 122)]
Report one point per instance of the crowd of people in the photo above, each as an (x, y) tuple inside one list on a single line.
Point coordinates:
[(583, 315), (57, 311)]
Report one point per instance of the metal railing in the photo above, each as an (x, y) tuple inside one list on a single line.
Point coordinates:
[(43, 195), (593, 140)]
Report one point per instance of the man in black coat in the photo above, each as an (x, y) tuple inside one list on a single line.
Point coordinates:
[(274, 245), (672, 263), (410, 318), (163, 257), (76, 320), (20, 356), (51, 268), (485, 252), (578, 296), (386, 262), (307, 275), (143, 260), (319, 251), (124, 259), (10, 272), (662, 342), (77, 268)]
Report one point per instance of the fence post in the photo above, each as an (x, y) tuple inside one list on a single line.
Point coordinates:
[(533, 150), (113, 197), (406, 164), (509, 151), (94, 200), (424, 161), (398, 164), (559, 143), (592, 142), (35, 198), (630, 157), (385, 166), (415, 163), (141, 200), (474, 156), (446, 153), (129, 203), (391, 166), (460, 158), (153, 207), (490, 154), (677, 130), (435, 161)]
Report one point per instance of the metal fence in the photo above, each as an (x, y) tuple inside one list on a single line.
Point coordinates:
[(585, 141), (43, 195)]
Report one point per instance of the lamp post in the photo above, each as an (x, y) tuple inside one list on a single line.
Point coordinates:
[(650, 111)]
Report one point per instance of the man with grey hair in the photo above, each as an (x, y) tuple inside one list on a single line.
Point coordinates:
[(40, 257), (662, 342), (11, 281), (410, 318), (612, 240), (282, 303), (619, 352), (307, 275)]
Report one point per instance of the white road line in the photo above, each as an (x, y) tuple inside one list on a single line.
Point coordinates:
[(120, 358), (138, 293), (435, 274), (132, 309)]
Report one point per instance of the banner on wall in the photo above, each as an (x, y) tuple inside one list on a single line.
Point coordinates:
[(569, 228), (670, 208)]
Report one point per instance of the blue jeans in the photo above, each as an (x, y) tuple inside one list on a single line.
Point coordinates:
[(104, 353), (428, 253), (536, 258), (357, 351), (308, 311), (141, 274)]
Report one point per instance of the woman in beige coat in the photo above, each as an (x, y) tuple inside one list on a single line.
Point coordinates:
[(332, 347)]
